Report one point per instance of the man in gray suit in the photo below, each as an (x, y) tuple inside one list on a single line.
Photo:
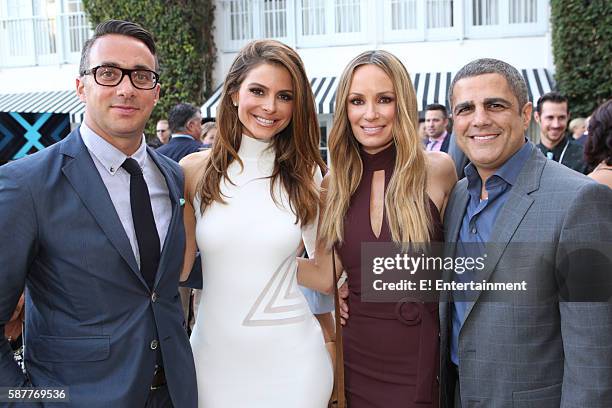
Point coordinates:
[(523, 212)]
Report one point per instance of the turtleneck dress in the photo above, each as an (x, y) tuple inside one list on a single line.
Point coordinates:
[(391, 353), (255, 343)]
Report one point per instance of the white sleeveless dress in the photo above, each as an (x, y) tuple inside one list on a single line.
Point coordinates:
[(255, 343)]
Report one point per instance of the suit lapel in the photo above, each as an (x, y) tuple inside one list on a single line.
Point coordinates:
[(175, 200), (457, 209), (510, 216), (452, 222), (83, 175)]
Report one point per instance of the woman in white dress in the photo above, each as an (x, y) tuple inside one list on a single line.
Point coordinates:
[(249, 204)]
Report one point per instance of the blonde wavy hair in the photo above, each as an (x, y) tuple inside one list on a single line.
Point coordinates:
[(406, 205), (296, 147)]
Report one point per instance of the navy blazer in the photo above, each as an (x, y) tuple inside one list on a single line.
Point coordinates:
[(92, 323), (179, 147)]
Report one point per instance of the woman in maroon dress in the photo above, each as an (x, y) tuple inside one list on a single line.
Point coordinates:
[(382, 187)]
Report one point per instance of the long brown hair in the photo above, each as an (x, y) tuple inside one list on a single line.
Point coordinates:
[(296, 147), (408, 214)]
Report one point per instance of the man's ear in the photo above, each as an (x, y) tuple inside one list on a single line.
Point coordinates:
[(526, 115), (536, 116), (80, 89), (157, 93)]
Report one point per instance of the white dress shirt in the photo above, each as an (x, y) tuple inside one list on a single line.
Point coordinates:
[(108, 160)]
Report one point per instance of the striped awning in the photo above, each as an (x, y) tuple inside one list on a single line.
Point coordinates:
[(44, 102), (431, 87)]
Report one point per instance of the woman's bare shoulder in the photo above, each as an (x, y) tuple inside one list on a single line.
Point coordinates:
[(440, 165), (441, 171), (193, 166), (194, 162)]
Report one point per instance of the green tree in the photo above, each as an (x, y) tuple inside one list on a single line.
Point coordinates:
[(582, 49), (183, 32)]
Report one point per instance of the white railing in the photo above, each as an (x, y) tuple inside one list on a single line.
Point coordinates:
[(318, 23), (42, 41)]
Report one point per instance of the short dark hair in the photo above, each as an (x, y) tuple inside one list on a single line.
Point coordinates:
[(179, 115), (437, 107), (554, 97), (121, 27), (598, 146), (483, 66)]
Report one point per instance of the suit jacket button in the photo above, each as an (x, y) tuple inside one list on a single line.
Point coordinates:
[(154, 344), (154, 297)]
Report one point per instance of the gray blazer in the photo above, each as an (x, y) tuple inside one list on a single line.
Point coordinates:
[(536, 355)]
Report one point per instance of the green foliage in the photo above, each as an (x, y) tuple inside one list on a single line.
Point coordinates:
[(183, 32), (582, 49)]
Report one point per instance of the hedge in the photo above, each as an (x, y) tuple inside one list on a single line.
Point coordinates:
[(582, 50), (183, 32)]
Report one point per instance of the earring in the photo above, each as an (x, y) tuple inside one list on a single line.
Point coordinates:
[(235, 104)]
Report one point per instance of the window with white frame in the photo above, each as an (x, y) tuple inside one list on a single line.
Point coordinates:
[(331, 22), (439, 13), (247, 20), (274, 16), (313, 17), (347, 16), (523, 11), (403, 14), (485, 12), (501, 18), (414, 20)]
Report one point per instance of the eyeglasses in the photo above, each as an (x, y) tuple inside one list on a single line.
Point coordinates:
[(112, 76)]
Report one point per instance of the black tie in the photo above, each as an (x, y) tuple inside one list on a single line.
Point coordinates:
[(144, 223)]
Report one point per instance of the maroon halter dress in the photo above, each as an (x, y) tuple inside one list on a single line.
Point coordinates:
[(391, 354)]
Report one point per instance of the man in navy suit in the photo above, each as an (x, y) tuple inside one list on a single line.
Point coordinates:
[(185, 122), (103, 314)]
